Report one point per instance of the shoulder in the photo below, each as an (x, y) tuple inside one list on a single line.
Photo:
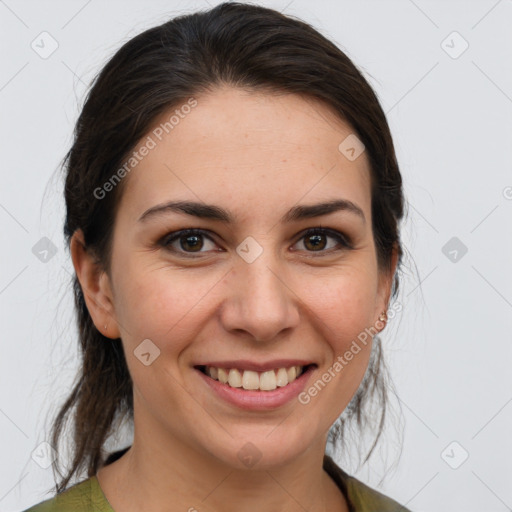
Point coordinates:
[(81, 497), (366, 499), (361, 497)]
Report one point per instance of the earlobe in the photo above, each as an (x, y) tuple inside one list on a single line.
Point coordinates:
[(392, 270), (95, 284), (386, 286)]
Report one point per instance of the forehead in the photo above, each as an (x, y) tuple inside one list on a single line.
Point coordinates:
[(248, 150)]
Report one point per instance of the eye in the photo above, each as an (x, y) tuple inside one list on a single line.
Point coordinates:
[(189, 241), (186, 239), (314, 240)]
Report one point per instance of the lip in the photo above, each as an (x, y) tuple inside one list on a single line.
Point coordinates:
[(244, 364), (252, 400)]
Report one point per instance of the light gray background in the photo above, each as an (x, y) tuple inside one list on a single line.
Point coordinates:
[(449, 350)]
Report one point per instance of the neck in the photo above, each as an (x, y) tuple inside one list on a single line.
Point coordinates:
[(158, 470)]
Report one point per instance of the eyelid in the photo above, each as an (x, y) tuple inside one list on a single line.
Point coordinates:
[(342, 239), (166, 240), (333, 233)]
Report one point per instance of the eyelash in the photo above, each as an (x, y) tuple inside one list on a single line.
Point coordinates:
[(176, 235)]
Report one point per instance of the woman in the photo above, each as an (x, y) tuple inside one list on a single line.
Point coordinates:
[(233, 206)]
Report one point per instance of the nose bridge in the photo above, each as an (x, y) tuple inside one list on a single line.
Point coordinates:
[(260, 302)]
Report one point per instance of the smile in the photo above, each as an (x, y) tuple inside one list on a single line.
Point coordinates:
[(255, 390), (253, 380)]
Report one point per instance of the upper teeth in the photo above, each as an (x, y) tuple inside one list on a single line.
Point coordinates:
[(248, 379)]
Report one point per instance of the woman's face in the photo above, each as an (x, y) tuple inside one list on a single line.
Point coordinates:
[(251, 291)]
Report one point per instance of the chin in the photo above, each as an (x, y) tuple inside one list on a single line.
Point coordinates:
[(268, 450)]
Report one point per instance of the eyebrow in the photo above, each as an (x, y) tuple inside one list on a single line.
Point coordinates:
[(213, 212)]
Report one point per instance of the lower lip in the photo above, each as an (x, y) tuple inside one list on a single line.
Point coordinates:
[(258, 400)]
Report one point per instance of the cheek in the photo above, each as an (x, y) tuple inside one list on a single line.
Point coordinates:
[(346, 314), (160, 305), (346, 306), (344, 309)]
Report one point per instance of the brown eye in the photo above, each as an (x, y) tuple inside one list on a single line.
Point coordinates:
[(189, 241), (194, 242), (186, 241), (316, 240)]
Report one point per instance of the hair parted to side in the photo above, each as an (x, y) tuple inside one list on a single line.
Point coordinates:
[(241, 45)]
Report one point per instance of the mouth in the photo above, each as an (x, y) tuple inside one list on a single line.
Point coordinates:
[(250, 380)]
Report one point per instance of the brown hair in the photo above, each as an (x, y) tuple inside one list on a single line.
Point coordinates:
[(240, 45)]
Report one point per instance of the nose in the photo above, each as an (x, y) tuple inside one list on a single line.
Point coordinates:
[(260, 300)]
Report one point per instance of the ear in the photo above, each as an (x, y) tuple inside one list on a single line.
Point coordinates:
[(385, 286), (96, 287)]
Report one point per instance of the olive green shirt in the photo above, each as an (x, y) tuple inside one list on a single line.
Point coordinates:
[(87, 496)]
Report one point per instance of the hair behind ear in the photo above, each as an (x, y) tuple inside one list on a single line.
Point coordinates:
[(101, 393)]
